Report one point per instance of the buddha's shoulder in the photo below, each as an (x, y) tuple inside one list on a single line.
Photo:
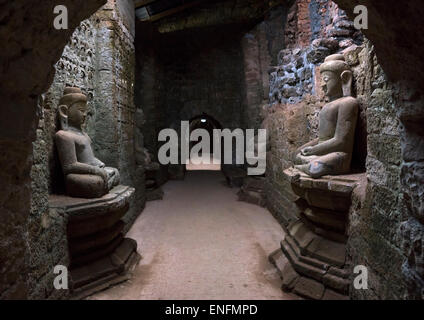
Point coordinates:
[(348, 101), (64, 134)]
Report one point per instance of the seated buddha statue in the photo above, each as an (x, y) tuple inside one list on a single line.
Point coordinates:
[(85, 175), (331, 152)]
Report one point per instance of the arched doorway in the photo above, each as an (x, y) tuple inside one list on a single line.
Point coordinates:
[(207, 161)]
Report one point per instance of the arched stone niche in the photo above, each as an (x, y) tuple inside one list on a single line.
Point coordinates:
[(27, 70)]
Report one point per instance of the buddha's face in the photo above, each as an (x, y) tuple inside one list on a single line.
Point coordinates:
[(331, 85), (77, 113)]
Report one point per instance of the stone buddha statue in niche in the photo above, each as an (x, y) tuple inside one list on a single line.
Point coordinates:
[(331, 152), (85, 175)]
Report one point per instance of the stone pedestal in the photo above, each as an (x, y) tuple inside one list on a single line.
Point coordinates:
[(153, 182), (176, 172), (99, 254), (315, 245), (253, 191), (234, 175)]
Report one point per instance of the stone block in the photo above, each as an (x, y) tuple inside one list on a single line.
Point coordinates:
[(234, 175), (385, 148), (332, 295), (290, 277), (309, 288), (154, 194)]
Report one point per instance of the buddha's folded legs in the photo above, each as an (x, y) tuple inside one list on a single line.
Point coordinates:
[(332, 163), (85, 186)]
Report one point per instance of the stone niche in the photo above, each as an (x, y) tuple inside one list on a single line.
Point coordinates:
[(315, 245), (99, 59), (99, 254)]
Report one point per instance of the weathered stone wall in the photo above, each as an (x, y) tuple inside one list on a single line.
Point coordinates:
[(202, 75), (385, 224), (99, 59), (260, 47), (147, 88), (392, 30), (377, 210), (411, 230), (114, 137)]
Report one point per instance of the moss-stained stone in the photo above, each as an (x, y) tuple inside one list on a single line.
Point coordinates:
[(385, 148), (288, 128)]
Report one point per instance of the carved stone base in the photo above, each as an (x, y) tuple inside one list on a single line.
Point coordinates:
[(311, 266), (99, 254), (105, 272), (312, 258)]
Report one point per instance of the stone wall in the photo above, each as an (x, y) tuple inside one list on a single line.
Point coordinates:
[(114, 128), (147, 89), (392, 30), (99, 58), (386, 224), (378, 206), (260, 47)]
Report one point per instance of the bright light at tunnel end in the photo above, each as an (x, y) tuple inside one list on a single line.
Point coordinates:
[(250, 147)]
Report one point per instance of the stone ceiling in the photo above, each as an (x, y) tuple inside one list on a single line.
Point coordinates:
[(175, 15)]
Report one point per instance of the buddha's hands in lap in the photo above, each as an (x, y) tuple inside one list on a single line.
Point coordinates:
[(102, 173), (111, 172), (306, 151), (98, 163), (113, 176)]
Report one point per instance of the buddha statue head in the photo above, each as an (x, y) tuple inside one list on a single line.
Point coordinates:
[(72, 108), (336, 77)]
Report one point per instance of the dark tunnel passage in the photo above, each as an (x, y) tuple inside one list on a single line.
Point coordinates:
[(84, 106)]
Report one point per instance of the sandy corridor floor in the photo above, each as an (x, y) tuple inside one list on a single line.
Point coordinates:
[(199, 242)]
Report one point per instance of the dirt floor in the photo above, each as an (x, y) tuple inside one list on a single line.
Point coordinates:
[(199, 243)]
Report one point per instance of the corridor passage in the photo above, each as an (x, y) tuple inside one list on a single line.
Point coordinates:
[(199, 242)]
